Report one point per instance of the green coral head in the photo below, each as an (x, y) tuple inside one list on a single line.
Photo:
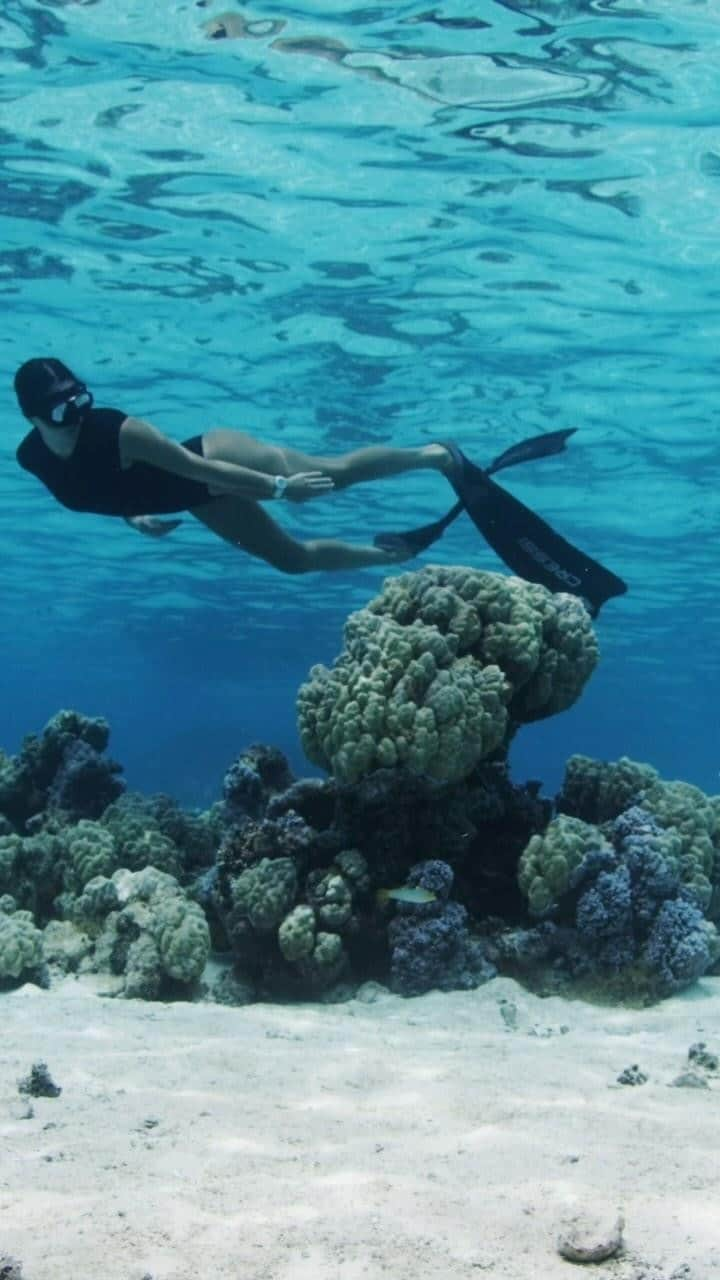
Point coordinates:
[(548, 860), (437, 671), (20, 944)]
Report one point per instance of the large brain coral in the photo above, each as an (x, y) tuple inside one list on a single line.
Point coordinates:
[(439, 668)]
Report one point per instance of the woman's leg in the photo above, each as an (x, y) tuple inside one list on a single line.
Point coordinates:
[(377, 462), (247, 525)]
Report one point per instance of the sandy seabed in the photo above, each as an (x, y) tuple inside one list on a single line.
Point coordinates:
[(447, 1136)]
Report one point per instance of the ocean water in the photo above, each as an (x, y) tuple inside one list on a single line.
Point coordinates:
[(350, 225)]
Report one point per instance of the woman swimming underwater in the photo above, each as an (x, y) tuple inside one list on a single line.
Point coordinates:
[(106, 461)]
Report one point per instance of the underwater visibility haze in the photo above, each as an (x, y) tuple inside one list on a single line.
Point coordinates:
[(335, 226)]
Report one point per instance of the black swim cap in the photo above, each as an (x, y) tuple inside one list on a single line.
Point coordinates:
[(36, 384)]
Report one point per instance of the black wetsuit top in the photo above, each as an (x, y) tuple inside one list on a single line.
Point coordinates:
[(91, 479)]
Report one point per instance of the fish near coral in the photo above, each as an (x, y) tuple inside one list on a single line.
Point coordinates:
[(406, 893)]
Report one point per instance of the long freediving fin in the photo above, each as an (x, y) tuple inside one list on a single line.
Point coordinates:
[(542, 446), (525, 542), (417, 540)]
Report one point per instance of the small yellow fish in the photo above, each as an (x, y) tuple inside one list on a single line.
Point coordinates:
[(406, 894)]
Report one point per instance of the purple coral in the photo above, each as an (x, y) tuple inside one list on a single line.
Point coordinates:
[(604, 919), (430, 946), (680, 946), (631, 909)]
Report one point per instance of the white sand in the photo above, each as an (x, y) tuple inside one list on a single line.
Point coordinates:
[(402, 1139)]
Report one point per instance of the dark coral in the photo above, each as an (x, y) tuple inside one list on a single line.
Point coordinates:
[(10, 1268), (85, 783), (62, 767), (243, 789), (242, 847), (397, 818), (430, 944), (315, 799), (39, 1083), (479, 827), (256, 775), (288, 836), (502, 816)]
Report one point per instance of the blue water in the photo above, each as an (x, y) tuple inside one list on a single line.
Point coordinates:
[(346, 226)]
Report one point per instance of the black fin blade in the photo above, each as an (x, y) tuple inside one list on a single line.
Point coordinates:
[(527, 544), (542, 446), (420, 539), (524, 541)]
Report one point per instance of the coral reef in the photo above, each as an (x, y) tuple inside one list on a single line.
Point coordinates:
[(292, 896), (624, 911), (440, 669), (306, 888), (64, 768), (145, 929), (91, 851), (599, 791), (65, 947)]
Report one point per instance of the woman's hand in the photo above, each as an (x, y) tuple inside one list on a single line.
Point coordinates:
[(306, 485), (151, 526)]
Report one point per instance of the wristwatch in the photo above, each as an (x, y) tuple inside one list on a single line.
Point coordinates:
[(281, 485)]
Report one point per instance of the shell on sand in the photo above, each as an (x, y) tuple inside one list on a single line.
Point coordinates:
[(586, 1238)]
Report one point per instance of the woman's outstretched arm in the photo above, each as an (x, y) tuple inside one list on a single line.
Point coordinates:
[(141, 442)]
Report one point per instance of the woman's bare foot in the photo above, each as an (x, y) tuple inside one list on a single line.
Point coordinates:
[(439, 457), (395, 554)]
